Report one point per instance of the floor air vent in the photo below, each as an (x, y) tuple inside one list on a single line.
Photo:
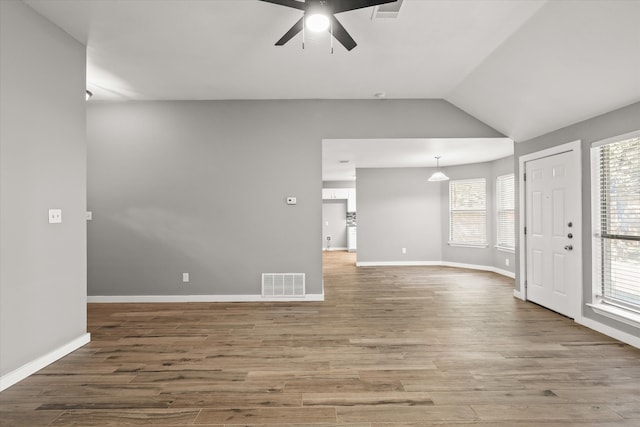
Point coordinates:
[(283, 285)]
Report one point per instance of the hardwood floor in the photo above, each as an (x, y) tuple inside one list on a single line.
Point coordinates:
[(401, 346)]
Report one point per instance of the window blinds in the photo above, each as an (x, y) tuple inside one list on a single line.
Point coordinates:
[(468, 212), (506, 226), (617, 222)]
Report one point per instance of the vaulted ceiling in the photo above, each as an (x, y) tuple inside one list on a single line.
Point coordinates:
[(524, 67)]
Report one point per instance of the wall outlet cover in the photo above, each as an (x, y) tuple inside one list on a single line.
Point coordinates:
[(291, 200), (55, 216)]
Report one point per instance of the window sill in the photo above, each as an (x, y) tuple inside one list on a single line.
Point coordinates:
[(505, 249), (469, 245), (617, 313)]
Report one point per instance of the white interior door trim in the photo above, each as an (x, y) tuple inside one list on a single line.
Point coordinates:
[(575, 148)]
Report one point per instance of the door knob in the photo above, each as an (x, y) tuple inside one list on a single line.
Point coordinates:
[(570, 235), (568, 248)]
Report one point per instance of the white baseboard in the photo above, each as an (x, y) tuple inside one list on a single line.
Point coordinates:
[(609, 331), (518, 294), (34, 366), (340, 248), (436, 263), (505, 273), (396, 263), (481, 268), (199, 298)]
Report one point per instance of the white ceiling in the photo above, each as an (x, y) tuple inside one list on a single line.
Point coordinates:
[(396, 153), (524, 67), (224, 49)]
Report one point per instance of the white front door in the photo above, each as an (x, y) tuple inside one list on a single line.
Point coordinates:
[(553, 212)]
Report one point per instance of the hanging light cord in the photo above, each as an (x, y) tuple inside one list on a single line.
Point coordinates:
[(331, 35)]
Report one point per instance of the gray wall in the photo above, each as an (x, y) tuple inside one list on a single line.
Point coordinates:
[(338, 184), (398, 208), (618, 122), (199, 186), (488, 256), (461, 254), (502, 167), (334, 223), (42, 165)]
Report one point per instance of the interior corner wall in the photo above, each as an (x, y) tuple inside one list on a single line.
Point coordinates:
[(617, 122), (398, 208), (461, 254), (501, 167), (200, 187), (42, 165), (334, 219), (488, 256)]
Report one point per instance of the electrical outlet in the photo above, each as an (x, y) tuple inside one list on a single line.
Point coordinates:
[(55, 216), (404, 250), (506, 262), (292, 200), (185, 277)]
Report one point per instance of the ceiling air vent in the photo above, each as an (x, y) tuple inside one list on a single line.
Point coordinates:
[(388, 10)]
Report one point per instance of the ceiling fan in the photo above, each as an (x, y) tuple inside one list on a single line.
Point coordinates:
[(319, 16)]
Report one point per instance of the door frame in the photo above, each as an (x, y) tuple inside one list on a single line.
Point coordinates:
[(575, 148)]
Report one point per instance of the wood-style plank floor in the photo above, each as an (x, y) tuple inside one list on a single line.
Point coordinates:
[(401, 346)]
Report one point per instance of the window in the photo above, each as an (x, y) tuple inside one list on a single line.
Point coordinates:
[(616, 225), (468, 212), (505, 218)]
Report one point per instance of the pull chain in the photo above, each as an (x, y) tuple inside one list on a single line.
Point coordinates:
[(331, 35)]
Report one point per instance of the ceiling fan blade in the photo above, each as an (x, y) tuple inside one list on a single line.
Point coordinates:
[(288, 3), (297, 27), (346, 5), (341, 34)]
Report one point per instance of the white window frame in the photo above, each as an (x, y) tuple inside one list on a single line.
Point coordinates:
[(598, 304), (451, 242), (510, 249)]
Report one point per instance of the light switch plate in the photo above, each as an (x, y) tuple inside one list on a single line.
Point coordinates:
[(291, 200), (89, 215), (55, 216)]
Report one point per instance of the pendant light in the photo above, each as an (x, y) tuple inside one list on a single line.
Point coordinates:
[(438, 175)]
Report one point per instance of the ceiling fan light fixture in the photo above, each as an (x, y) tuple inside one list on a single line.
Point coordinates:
[(317, 22), (438, 175)]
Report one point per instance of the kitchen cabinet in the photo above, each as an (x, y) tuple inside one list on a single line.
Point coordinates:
[(335, 193), (352, 239), (351, 200), (341, 193)]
